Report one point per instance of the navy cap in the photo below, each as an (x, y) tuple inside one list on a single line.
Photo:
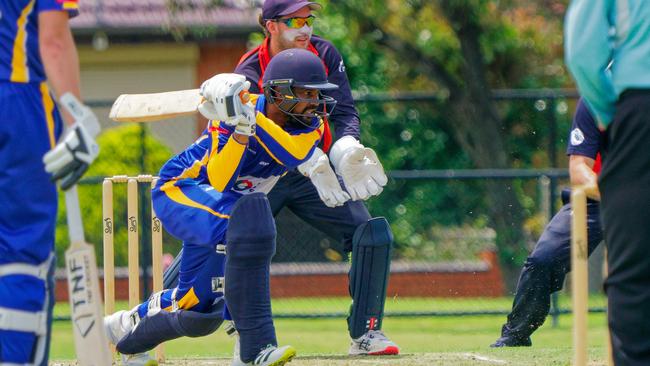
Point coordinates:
[(273, 9), (302, 67)]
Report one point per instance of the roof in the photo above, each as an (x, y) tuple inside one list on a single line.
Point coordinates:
[(126, 16)]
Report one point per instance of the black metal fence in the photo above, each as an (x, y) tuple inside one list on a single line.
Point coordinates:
[(423, 206)]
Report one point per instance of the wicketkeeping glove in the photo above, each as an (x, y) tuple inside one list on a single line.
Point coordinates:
[(70, 158), (319, 171), (361, 170), (222, 97)]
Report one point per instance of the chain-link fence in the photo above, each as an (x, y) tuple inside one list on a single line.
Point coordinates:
[(448, 259)]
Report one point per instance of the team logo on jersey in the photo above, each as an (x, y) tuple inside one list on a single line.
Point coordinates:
[(577, 137), (341, 66), (244, 185)]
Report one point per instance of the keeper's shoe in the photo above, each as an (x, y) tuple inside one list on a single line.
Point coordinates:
[(118, 325), (270, 356), (373, 343)]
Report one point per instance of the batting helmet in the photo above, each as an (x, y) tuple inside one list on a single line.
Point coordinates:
[(298, 68)]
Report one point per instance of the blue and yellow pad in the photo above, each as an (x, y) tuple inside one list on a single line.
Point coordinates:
[(371, 250)]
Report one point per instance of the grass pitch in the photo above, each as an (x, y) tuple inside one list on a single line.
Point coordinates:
[(458, 340)]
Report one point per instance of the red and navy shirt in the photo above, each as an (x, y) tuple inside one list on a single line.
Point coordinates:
[(585, 138), (344, 116), (20, 60)]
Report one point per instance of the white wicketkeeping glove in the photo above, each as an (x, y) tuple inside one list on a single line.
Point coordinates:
[(70, 158), (318, 169), (362, 173), (222, 100)]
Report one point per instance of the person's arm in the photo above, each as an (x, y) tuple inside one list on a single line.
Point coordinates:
[(577, 173), (59, 54), (588, 52), (345, 116), (226, 158)]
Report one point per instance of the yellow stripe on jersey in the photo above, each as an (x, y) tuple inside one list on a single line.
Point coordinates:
[(223, 164), (188, 300), (19, 71), (70, 5), (175, 194), (298, 146), (191, 172), (48, 108)]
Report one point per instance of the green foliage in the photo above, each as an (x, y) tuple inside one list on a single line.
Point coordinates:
[(520, 46), (120, 154)]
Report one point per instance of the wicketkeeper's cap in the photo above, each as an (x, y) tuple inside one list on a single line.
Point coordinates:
[(273, 9)]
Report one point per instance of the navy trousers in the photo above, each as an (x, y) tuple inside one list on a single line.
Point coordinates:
[(545, 269), (625, 189)]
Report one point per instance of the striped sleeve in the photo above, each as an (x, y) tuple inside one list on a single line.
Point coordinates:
[(226, 158), (71, 6), (287, 149)]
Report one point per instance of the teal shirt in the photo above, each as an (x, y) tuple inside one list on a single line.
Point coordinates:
[(603, 32)]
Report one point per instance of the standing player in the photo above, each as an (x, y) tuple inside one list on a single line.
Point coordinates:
[(288, 24), (546, 267), (212, 196), (617, 33), (35, 44)]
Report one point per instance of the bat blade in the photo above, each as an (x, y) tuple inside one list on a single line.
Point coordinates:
[(155, 106), (91, 344)]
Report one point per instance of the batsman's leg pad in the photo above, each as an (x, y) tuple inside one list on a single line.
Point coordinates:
[(163, 326), (371, 251), (250, 241)]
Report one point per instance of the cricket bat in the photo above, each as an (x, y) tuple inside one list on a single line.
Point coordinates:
[(155, 106), (90, 341), (158, 106), (91, 344)]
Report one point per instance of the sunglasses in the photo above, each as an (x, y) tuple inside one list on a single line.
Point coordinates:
[(297, 22)]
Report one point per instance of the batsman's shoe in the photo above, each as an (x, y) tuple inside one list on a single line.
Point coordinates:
[(373, 343), (270, 356), (505, 341), (116, 326)]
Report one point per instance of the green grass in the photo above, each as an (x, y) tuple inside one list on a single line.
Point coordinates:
[(393, 305), (437, 340)]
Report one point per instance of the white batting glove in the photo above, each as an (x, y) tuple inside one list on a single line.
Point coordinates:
[(361, 170), (246, 121), (319, 171), (222, 101), (70, 158)]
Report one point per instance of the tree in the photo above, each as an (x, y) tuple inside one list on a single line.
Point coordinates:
[(461, 49)]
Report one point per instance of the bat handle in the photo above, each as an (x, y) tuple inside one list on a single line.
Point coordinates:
[(244, 96)]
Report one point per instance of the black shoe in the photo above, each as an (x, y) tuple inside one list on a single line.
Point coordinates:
[(506, 341)]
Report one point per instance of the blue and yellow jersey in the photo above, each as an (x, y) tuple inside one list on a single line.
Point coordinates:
[(20, 61), (227, 165)]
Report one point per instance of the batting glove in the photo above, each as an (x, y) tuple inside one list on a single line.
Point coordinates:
[(70, 158), (246, 121), (361, 170), (319, 171), (222, 97)]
